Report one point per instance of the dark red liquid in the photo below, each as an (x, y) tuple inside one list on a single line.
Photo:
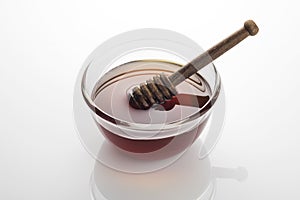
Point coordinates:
[(113, 101), (170, 145)]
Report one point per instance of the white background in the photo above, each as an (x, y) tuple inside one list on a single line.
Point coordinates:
[(44, 43)]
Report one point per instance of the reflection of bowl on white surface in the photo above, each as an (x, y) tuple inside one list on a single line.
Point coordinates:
[(187, 178)]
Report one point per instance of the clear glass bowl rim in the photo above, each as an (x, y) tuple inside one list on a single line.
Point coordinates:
[(140, 126)]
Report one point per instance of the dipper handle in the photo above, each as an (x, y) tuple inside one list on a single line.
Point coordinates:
[(249, 28)]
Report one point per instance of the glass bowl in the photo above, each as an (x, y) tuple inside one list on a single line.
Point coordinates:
[(128, 128), (144, 145)]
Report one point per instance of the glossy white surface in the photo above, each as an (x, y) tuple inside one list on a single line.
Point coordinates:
[(44, 43)]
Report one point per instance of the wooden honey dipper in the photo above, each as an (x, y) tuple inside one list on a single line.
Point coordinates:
[(162, 87)]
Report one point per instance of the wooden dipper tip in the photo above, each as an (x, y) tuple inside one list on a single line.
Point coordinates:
[(251, 27)]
